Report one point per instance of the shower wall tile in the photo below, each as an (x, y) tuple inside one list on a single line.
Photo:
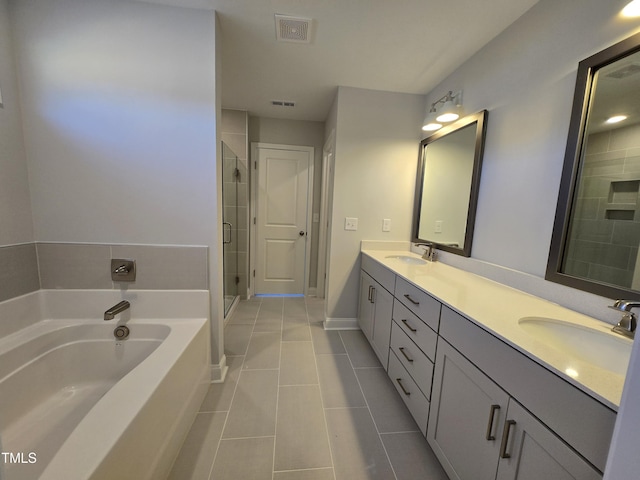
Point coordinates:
[(74, 266), (18, 270), (166, 268)]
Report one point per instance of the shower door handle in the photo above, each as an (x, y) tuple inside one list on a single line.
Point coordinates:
[(224, 241)]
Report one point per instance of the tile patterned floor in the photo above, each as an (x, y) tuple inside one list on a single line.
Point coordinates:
[(301, 403)]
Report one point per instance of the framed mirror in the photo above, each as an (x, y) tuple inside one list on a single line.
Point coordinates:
[(596, 234), (447, 184)]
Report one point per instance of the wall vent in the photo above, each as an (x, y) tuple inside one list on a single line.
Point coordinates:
[(293, 29)]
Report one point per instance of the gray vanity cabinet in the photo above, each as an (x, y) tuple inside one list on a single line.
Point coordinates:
[(476, 430), (466, 417), (376, 307)]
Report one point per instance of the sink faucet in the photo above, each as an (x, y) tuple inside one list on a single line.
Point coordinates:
[(627, 325), (430, 251), (116, 309)]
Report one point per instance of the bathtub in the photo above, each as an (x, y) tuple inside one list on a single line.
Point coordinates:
[(75, 403)]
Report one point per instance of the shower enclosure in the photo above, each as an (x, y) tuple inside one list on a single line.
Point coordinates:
[(231, 217)]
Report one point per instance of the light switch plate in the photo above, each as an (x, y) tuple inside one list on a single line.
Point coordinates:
[(386, 225), (351, 223)]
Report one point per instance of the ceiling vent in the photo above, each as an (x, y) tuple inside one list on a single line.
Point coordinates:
[(282, 103), (293, 29), (625, 71)]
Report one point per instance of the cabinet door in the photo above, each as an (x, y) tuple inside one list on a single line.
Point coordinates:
[(529, 451), (365, 309), (466, 417), (382, 314)]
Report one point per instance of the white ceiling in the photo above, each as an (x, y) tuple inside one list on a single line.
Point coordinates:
[(404, 46)]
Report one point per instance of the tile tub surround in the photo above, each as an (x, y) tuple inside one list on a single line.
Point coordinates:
[(497, 309), (18, 270), (320, 408), (87, 266)]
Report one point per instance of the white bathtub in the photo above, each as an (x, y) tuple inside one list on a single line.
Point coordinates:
[(77, 404)]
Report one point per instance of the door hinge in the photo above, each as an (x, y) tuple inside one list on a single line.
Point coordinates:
[(254, 273), (237, 280), (255, 165), (236, 173), (254, 220)]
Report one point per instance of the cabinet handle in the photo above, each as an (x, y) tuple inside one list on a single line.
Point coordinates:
[(369, 296), (399, 380), (404, 320), (409, 359), (373, 294), (492, 414), (505, 438), (408, 297)]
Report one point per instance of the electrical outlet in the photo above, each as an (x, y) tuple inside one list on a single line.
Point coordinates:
[(350, 223), (438, 226), (386, 225)]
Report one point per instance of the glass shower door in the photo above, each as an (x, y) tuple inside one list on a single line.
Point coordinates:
[(230, 226)]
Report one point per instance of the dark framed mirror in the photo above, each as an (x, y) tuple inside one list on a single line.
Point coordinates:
[(447, 184), (596, 234)]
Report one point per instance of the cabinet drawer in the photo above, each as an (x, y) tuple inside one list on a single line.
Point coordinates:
[(413, 398), (419, 302), (416, 329), (413, 359), (382, 275)]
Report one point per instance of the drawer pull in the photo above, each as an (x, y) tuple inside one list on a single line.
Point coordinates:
[(404, 320), (409, 359), (505, 439), (373, 294), (408, 297), (369, 296), (399, 380), (492, 414)]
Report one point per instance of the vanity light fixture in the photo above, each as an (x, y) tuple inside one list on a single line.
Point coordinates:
[(632, 9), (430, 123), (448, 112), (616, 119)]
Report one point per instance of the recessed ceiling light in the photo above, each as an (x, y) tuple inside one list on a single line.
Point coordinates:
[(632, 9), (616, 119)]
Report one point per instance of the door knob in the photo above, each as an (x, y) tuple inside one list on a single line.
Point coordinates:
[(301, 233)]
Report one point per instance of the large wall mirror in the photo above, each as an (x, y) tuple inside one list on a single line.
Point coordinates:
[(447, 185), (596, 235)]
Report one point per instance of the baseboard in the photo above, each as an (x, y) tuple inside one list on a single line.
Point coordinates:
[(219, 371), (341, 324)]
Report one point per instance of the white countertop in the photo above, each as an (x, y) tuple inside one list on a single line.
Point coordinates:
[(497, 308)]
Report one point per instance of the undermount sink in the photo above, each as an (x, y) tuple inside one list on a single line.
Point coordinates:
[(408, 259), (602, 348)]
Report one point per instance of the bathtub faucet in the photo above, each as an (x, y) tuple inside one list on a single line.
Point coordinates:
[(116, 309)]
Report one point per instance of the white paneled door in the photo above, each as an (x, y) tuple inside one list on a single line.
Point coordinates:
[(281, 219)]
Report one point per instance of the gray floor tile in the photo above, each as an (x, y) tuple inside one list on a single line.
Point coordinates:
[(263, 351), (338, 382), (236, 339), (253, 411), (357, 451), (301, 433), (295, 307), (359, 349), (220, 395), (326, 341), (298, 364), (412, 457), (198, 451), (295, 329), (315, 474), (268, 324), (244, 459), (388, 410)]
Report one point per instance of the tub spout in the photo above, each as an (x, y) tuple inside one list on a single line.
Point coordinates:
[(116, 309)]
